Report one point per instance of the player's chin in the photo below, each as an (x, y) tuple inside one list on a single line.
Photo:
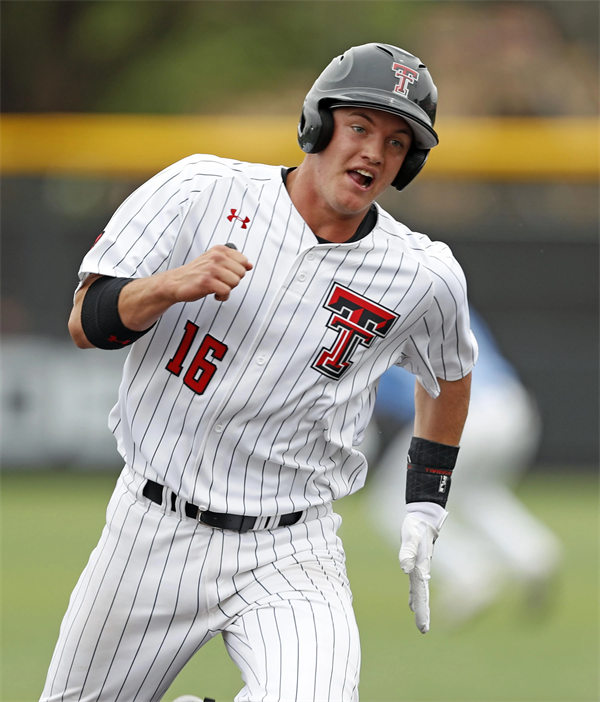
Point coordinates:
[(353, 203)]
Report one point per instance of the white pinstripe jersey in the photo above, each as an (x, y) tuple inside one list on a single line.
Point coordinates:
[(255, 405)]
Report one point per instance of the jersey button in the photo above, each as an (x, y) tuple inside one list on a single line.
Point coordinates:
[(260, 360), (302, 277), (218, 428)]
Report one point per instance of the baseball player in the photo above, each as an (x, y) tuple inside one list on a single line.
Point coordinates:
[(260, 305)]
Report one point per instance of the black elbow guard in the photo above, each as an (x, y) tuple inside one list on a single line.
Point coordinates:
[(100, 319)]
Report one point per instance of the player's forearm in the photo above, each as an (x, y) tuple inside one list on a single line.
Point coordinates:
[(431, 459), (442, 419), (218, 271), (145, 300)]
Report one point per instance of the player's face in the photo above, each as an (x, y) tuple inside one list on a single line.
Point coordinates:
[(363, 157)]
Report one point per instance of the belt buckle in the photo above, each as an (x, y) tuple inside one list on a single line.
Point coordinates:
[(261, 523)]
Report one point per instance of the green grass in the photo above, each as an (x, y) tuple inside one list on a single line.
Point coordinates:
[(510, 653)]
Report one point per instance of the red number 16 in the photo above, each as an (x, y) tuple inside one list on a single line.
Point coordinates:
[(200, 370)]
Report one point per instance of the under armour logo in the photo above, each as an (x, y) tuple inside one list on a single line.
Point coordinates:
[(114, 340), (406, 77), (234, 215)]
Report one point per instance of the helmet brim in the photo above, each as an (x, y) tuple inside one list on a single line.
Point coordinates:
[(424, 137)]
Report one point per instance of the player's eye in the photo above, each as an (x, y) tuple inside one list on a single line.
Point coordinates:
[(399, 145), (358, 129)]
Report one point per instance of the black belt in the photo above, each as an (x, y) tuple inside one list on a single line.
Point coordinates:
[(234, 522)]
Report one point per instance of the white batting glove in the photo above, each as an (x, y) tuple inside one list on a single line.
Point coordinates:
[(420, 529)]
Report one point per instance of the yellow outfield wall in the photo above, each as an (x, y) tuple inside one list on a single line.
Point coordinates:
[(531, 149)]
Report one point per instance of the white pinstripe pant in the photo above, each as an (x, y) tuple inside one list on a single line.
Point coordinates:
[(158, 587)]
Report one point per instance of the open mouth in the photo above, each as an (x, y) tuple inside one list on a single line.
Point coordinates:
[(362, 178)]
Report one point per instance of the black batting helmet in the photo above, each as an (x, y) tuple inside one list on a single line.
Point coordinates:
[(381, 77)]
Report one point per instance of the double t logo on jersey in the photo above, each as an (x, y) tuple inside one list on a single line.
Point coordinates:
[(357, 321)]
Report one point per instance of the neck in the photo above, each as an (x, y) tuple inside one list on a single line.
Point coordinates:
[(323, 221)]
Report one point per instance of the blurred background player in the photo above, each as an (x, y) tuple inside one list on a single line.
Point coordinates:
[(491, 539)]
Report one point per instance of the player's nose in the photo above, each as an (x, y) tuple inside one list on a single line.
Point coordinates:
[(373, 150)]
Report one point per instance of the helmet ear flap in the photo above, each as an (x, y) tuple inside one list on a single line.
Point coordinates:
[(414, 161), (326, 130), (315, 129)]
